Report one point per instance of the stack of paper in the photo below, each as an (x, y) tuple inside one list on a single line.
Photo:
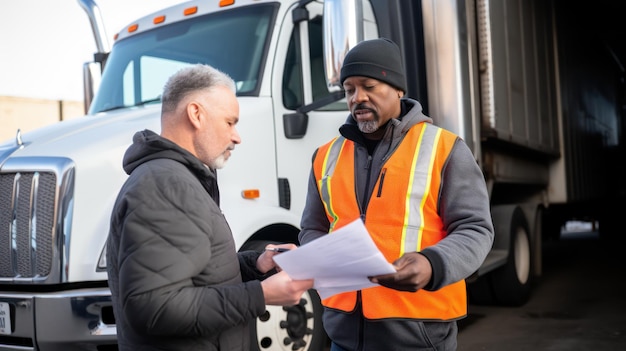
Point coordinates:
[(338, 262)]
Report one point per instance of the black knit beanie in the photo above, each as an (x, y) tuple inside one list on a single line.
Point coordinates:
[(377, 58)]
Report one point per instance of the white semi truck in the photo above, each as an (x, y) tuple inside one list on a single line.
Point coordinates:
[(509, 76)]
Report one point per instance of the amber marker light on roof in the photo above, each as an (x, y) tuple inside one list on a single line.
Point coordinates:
[(226, 2), (190, 10), (133, 28), (158, 19), (251, 194)]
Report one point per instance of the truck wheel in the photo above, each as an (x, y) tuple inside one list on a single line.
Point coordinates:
[(297, 327), (511, 283), (289, 328)]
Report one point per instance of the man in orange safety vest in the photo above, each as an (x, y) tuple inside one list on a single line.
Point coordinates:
[(422, 197)]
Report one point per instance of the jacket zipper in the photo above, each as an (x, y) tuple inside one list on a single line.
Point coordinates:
[(363, 202), (363, 205)]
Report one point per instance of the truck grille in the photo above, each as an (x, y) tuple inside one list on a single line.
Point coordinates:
[(36, 206), (27, 201)]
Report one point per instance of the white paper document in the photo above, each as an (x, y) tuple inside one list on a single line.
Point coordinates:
[(338, 262)]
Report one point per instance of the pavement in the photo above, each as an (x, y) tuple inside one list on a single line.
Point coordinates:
[(578, 304)]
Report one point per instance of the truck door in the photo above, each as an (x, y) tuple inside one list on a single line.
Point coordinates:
[(299, 80)]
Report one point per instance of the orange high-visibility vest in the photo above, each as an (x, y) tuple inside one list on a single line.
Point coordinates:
[(400, 217)]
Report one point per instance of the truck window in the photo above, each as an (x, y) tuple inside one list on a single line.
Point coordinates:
[(152, 75), (234, 41), (293, 93)]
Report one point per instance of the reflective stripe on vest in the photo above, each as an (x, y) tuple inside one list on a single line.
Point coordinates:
[(407, 187)]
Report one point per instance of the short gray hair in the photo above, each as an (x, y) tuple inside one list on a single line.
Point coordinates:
[(191, 79)]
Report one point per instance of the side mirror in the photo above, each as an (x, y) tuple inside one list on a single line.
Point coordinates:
[(295, 124), (92, 74), (343, 29)]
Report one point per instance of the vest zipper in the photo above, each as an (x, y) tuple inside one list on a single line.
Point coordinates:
[(382, 180)]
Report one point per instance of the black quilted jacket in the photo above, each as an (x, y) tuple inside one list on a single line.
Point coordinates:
[(176, 280)]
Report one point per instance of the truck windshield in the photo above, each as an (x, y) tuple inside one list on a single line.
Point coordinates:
[(234, 41)]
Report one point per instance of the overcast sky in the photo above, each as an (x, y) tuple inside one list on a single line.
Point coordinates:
[(44, 43)]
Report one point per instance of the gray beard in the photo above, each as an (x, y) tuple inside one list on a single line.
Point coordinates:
[(218, 163), (368, 126)]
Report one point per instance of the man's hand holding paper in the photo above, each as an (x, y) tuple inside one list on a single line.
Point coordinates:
[(339, 262)]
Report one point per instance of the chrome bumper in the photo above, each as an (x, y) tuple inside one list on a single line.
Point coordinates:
[(65, 320)]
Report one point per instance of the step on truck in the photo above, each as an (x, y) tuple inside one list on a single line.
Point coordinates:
[(537, 96)]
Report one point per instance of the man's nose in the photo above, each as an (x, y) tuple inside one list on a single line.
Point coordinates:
[(236, 138), (359, 95)]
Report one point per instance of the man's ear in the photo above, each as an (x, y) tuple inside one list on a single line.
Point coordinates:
[(194, 114)]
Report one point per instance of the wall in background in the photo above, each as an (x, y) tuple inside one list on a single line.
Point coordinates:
[(27, 114)]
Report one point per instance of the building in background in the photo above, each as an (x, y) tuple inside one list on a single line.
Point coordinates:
[(28, 114)]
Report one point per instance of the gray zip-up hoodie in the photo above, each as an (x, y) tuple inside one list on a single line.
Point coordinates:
[(463, 205), (176, 279)]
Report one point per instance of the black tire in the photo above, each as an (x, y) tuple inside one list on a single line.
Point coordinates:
[(512, 282), (289, 328), (509, 285)]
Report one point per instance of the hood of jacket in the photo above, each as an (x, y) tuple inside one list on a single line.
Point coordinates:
[(147, 145)]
